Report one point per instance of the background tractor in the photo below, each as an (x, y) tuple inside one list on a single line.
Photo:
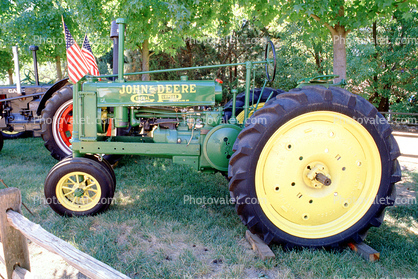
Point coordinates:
[(46, 110), (312, 167), (22, 105)]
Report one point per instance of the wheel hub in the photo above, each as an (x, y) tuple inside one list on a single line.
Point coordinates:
[(318, 176), (79, 192)]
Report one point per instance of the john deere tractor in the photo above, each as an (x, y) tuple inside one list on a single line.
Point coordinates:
[(312, 167)]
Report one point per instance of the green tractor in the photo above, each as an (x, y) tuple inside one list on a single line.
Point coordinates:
[(312, 167)]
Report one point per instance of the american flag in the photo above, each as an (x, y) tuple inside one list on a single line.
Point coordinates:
[(91, 61), (77, 64)]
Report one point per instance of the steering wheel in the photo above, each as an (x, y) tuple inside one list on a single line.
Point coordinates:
[(270, 56)]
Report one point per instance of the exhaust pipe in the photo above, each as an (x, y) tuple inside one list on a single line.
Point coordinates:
[(35, 62), (114, 35), (122, 23), (17, 70)]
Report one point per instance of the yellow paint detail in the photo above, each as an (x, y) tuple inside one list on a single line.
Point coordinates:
[(350, 158), (192, 88), (169, 97), (141, 98), (10, 133), (158, 89), (240, 116), (78, 191)]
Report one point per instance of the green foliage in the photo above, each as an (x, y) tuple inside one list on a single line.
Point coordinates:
[(385, 66), (6, 63), (349, 14), (300, 54), (195, 33), (35, 22)]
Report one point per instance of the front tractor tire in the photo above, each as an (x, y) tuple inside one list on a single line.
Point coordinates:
[(57, 123), (14, 135), (79, 186), (315, 168)]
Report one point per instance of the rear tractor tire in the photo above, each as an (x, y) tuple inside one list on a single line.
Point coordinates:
[(315, 168), (79, 186), (57, 123)]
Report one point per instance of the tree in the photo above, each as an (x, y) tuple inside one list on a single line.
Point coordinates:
[(156, 26), (6, 65), (299, 54), (383, 60), (36, 22), (340, 17)]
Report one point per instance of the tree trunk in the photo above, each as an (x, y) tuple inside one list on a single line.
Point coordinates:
[(339, 34), (145, 59), (340, 59), (384, 104), (318, 63), (10, 72), (374, 84), (189, 53), (58, 67)]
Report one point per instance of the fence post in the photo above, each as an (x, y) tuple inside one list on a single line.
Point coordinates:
[(15, 245)]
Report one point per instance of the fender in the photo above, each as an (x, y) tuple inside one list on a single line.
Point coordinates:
[(57, 86)]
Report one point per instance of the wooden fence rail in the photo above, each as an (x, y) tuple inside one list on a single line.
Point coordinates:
[(15, 228)]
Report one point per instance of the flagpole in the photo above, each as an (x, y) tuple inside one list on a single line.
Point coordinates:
[(63, 23)]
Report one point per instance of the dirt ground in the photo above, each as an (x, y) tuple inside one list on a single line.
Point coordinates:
[(46, 265), (404, 190)]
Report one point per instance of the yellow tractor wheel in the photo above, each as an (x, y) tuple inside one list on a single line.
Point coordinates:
[(79, 186), (321, 167), (14, 134)]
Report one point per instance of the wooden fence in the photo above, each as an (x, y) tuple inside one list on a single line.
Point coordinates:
[(15, 229)]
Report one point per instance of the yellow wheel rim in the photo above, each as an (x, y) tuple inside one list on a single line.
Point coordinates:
[(78, 191), (336, 146), (240, 116), (10, 133)]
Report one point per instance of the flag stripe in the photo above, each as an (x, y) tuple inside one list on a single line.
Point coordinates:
[(77, 64), (75, 69), (90, 60)]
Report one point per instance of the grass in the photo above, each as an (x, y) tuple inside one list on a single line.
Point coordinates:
[(151, 233)]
